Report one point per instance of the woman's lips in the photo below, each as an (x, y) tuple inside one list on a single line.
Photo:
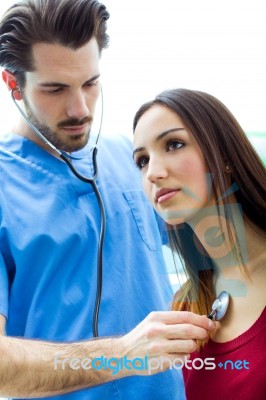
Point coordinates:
[(163, 195)]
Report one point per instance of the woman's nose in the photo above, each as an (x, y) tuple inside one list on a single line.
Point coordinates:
[(156, 170)]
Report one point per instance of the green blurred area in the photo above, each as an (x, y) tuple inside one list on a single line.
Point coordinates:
[(258, 140)]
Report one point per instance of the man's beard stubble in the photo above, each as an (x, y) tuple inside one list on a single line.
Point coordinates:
[(69, 143)]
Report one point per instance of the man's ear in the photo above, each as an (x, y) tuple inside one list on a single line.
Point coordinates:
[(11, 83)]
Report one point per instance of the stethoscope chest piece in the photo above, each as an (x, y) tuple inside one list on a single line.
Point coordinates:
[(219, 306)]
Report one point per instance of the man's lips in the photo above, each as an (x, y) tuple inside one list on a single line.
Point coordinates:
[(165, 194), (75, 129)]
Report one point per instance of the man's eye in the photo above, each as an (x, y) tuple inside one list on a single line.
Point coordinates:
[(55, 91), (93, 83), (141, 162), (174, 145)]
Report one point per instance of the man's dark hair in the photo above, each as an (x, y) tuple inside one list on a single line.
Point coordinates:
[(70, 23)]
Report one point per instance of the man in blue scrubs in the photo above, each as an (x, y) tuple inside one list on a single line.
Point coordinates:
[(50, 224)]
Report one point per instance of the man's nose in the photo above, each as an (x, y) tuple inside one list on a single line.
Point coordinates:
[(77, 106)]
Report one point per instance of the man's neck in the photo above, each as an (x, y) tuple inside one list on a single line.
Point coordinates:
[(23, 129)]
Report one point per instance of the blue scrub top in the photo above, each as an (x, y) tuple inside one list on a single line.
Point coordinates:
[(48, 254)]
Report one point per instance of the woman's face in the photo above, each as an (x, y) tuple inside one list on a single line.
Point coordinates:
[(174, 173)]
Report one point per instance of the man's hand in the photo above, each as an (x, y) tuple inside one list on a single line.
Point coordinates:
[(27, 367), (170, 335)]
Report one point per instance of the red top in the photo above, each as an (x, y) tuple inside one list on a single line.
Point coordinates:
[(240, 367)]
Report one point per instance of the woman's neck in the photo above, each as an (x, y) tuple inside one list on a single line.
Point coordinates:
[(237, 257), (242, 273)]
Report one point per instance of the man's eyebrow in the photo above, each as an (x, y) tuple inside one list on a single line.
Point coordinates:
[(158, 138), (56, 84)]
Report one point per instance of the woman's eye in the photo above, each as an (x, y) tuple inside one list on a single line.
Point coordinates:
[(174, 145), (141, 162)]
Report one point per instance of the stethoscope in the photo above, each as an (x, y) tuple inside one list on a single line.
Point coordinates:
[(92, 181), (219, 306)]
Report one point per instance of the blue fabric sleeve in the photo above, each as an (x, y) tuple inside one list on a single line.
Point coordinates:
[(3, 287), (162, 229)]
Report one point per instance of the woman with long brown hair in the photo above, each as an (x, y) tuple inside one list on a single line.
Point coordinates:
[(206, 181)]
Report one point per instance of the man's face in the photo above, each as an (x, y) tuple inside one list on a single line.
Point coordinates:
[(60, 95)]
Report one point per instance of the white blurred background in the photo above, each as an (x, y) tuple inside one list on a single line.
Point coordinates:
[(218, 46)]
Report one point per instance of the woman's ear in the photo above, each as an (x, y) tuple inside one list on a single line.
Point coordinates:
[(228, 169), (11, 83)]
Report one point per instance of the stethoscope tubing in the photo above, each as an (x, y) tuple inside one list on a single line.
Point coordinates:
[(92, 182), (67, 158)]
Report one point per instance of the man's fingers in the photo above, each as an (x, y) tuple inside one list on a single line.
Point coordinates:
[(177, 346), (186, 331), (180, 346), (181, 317)]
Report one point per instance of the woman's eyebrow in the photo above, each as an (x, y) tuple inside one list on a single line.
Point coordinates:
[(163, 134), (159, 137)]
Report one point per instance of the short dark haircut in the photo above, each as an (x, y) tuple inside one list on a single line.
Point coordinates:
[(70, 23)]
